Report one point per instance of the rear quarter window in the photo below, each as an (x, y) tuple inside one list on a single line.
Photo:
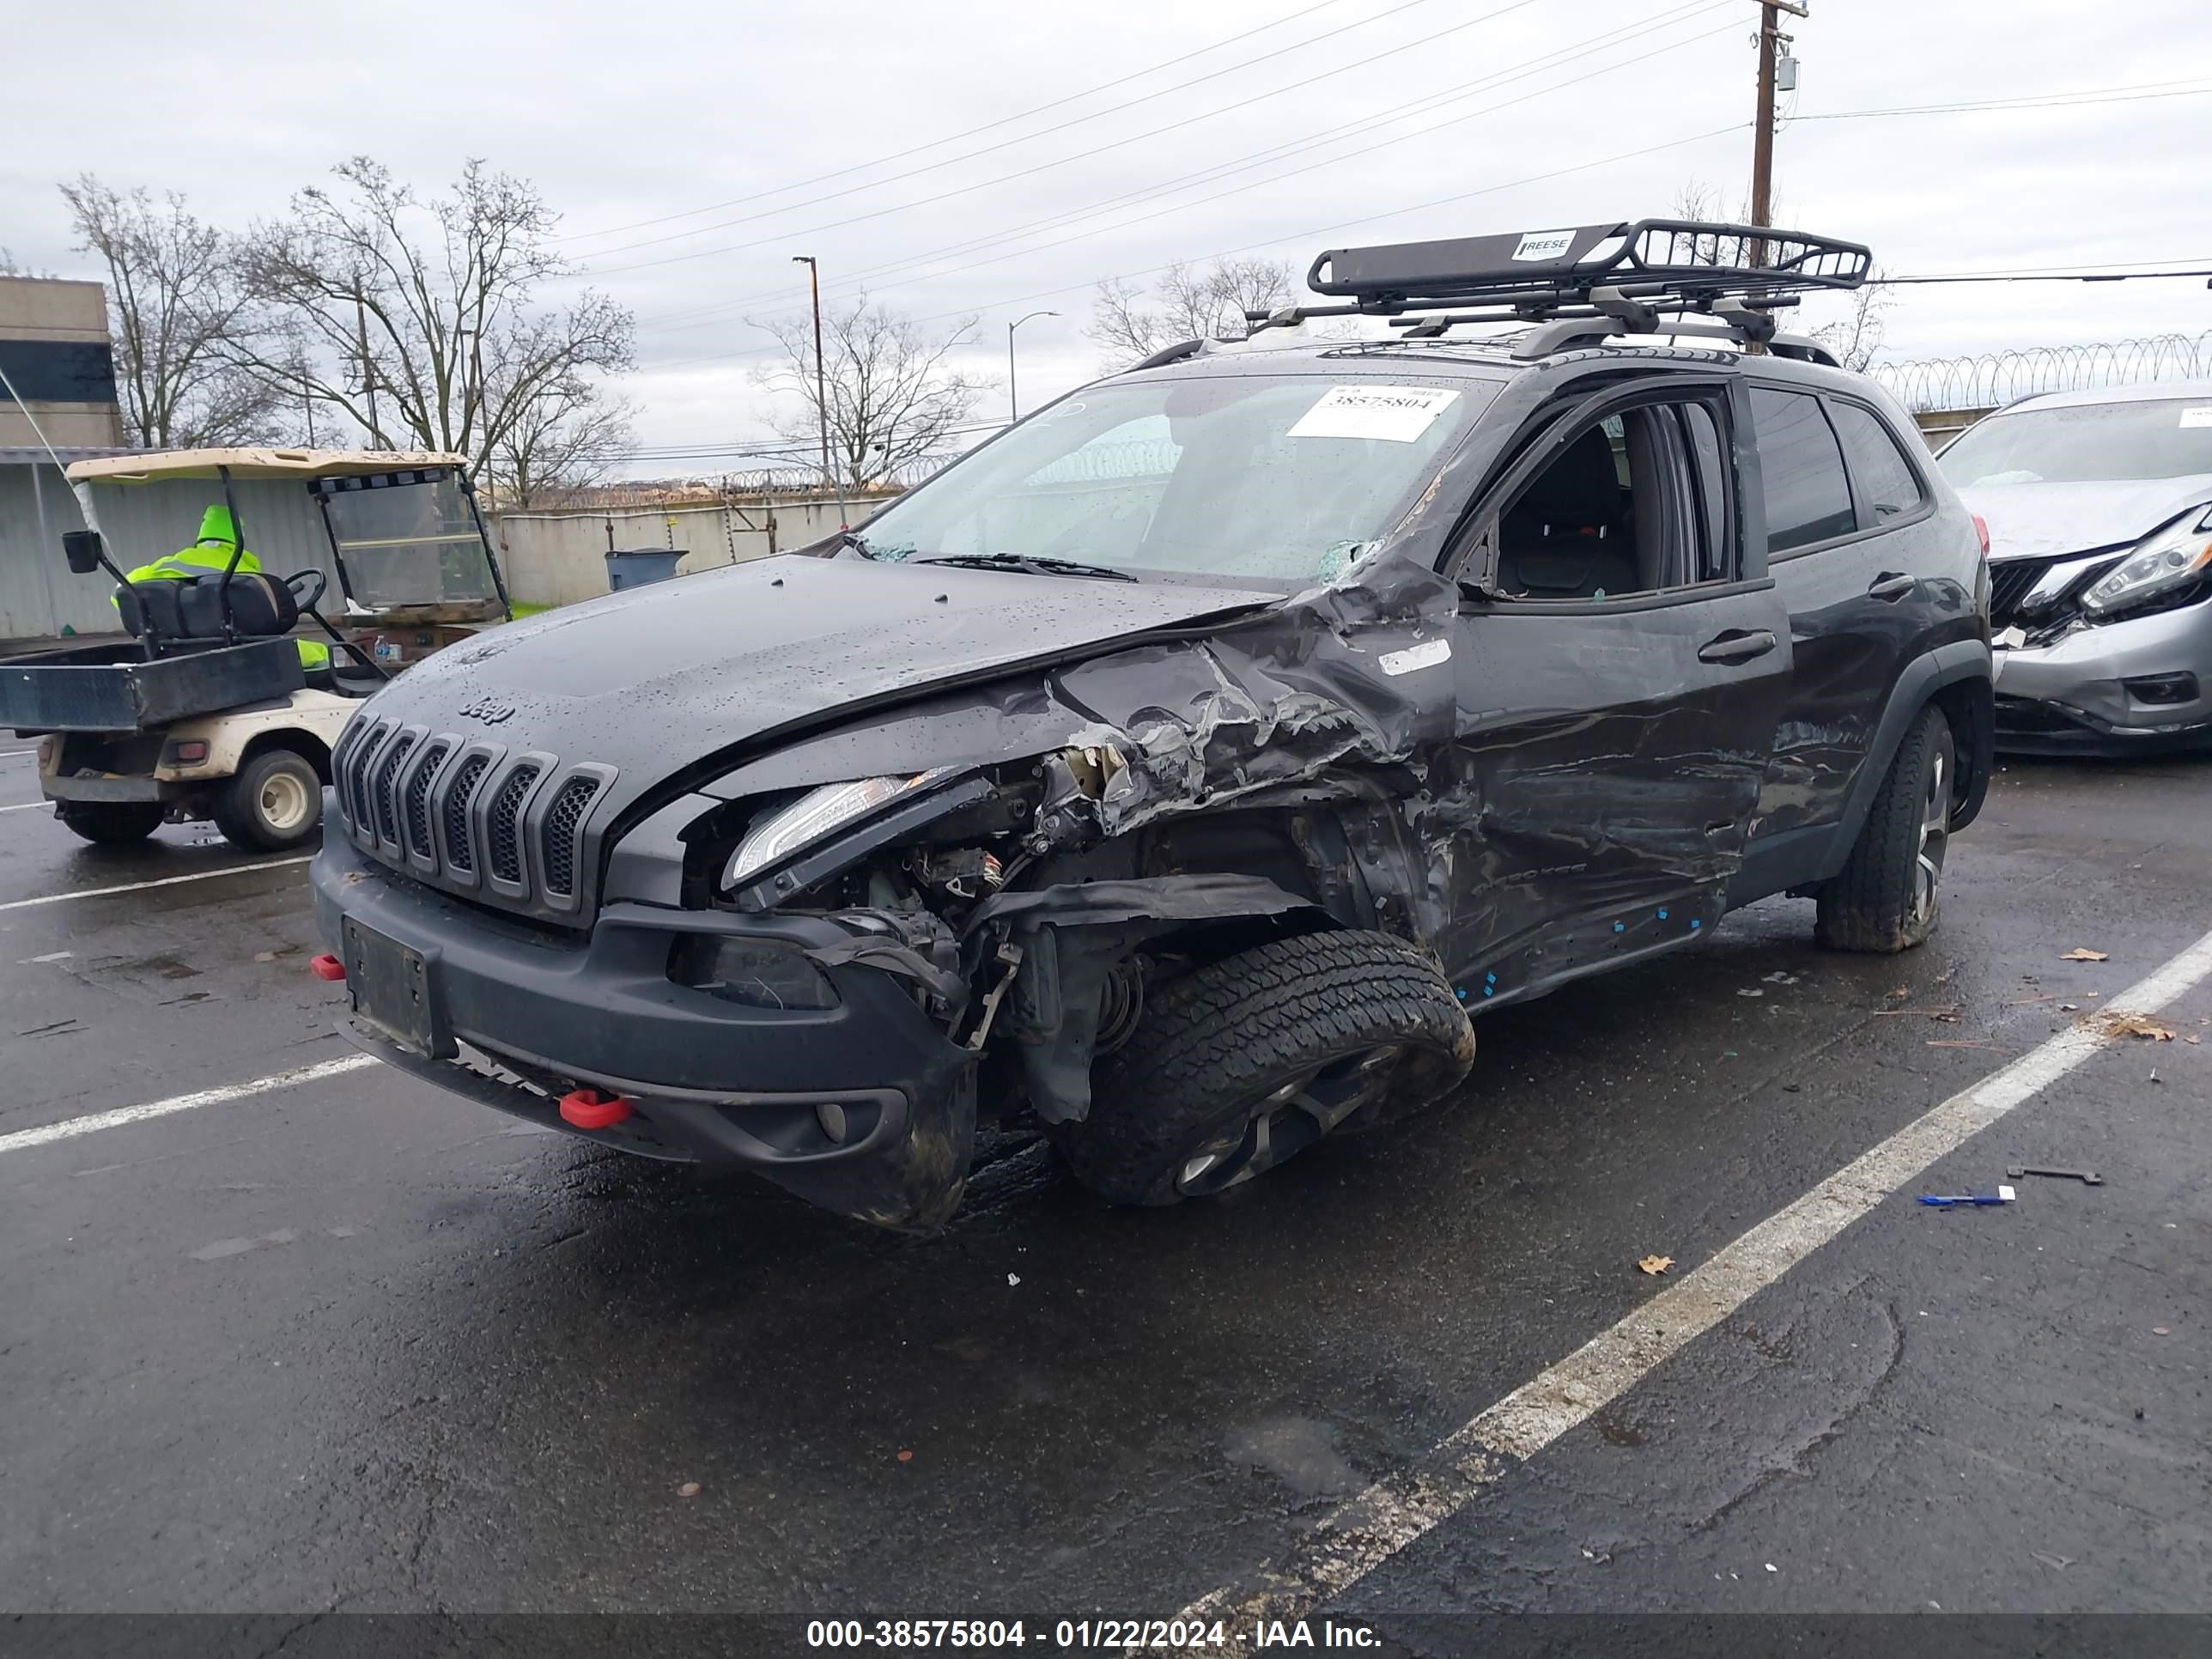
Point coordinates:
[(1808, 498)]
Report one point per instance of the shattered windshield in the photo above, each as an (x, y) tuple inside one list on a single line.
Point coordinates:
[(2085, 443), (1287, 480)]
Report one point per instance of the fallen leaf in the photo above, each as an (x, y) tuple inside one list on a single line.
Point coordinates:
[(2193, 1039), (689, 1489), (1013, 1278), (1751, 991), (2070, 1007), (2160, 1330), (1656, 1265), (2059, 1562), (906, 1457), (2077, 954), (2137, 1025)]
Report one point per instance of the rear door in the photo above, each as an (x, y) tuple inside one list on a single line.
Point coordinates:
[(1619, 657), (1840, 541)]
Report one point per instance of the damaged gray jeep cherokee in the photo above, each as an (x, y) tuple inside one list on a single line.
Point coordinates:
[(1180, 770)]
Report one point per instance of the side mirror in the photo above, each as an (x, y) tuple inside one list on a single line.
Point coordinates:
[(82, 549)]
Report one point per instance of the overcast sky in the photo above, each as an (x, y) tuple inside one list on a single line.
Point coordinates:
[(692, 148)]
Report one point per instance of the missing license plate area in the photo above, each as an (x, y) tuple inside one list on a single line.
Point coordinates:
[(390, 988)]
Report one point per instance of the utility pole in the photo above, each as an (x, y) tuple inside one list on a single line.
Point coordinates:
[(1771, 37), (1013, 403)]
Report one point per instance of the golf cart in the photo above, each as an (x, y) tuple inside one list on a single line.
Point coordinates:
[(215, 706)]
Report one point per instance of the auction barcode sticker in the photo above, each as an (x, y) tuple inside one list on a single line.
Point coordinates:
[(2198, 414), (1398, 413)]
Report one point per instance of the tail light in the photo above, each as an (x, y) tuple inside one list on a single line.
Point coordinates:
[(1982, 530)]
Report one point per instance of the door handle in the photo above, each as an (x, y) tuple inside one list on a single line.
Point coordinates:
[(1891, 585), (1736, 645)]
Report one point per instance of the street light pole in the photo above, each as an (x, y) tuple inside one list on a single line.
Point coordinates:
[(1013, 403), (821, 386), (821, 396)]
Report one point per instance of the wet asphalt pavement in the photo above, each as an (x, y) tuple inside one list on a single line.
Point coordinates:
[(360, 1345)]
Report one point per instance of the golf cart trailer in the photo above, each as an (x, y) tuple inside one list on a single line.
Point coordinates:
[(219, 705)]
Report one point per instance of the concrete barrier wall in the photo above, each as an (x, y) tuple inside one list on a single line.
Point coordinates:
[(561, 558)]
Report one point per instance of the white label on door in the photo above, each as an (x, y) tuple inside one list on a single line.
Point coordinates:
[(2199, 415), (1398, 413), (1427, 654), (1544, 244)]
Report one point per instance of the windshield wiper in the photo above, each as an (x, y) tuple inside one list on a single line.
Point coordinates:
[(1036, 564)]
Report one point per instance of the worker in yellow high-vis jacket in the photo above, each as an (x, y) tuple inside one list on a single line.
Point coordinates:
[(210, 556)]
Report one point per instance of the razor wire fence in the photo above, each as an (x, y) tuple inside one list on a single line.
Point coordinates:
[(1992, 378)]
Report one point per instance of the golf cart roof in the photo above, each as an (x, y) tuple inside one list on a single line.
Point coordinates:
[(302, 464)]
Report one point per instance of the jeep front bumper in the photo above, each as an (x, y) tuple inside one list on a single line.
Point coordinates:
[(511, 1016)]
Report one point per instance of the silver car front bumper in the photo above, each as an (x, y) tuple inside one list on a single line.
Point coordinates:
[(2097, 689)]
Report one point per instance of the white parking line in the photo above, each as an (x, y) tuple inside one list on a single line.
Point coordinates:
[(1400, 1510), (28, 805), (69, 1128), (166, 881)]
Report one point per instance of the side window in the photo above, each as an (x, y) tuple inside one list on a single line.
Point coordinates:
[(1886, 479), (1807, 497), (1634, 504)]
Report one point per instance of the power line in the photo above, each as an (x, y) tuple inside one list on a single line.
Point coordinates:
[(1024, 173), (1272, 241), (2038, 100), (697, 316), (954, 138), (2078, 276)]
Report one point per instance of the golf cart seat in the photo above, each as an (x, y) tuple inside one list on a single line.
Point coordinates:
[(260, 606)]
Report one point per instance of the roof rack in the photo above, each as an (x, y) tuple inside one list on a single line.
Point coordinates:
[(1589, 283)]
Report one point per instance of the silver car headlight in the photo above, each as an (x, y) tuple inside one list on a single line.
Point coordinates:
[(2165, 559), (814, 814)]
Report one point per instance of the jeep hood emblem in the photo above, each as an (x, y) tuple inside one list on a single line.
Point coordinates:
[(490, 710)]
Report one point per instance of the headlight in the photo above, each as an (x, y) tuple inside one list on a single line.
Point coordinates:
[(2166, 559), (815, 815)]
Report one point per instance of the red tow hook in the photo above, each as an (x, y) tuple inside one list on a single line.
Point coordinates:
[(327, 966), (588, 1109)]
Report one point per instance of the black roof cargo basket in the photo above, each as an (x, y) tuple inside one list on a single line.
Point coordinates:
[(1588, 282)]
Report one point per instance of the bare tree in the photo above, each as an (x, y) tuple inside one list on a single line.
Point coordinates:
[(1854, 340), (893, 391), (566, 441), (11, 266), (416, 319), (178, 308), (1187, 304)]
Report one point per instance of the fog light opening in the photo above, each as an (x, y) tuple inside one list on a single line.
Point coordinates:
[(2162, 689), (831, 1116)]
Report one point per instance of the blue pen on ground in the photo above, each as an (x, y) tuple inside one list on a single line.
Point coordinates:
[(2002, 1195)]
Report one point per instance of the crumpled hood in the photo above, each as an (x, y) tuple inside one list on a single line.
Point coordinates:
[(654, 679), (2036, 520)]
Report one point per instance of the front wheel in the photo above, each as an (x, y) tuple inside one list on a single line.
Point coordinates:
[(274, 801), (1884, 899), (114, 823), (1249, 1060)]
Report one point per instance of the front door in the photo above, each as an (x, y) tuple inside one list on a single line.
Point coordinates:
[(1619, 657)]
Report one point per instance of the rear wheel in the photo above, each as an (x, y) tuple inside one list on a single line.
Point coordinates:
[(114, 823), (274, 801), (1247, 1061), (1884, 899)]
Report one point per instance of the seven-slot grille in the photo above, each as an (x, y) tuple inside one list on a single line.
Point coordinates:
[(466, 814), (2011, 582)]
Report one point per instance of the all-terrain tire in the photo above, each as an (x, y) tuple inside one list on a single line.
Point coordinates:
[(1885, 899), (114, 823), (274, 801), (1250, 1060)]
